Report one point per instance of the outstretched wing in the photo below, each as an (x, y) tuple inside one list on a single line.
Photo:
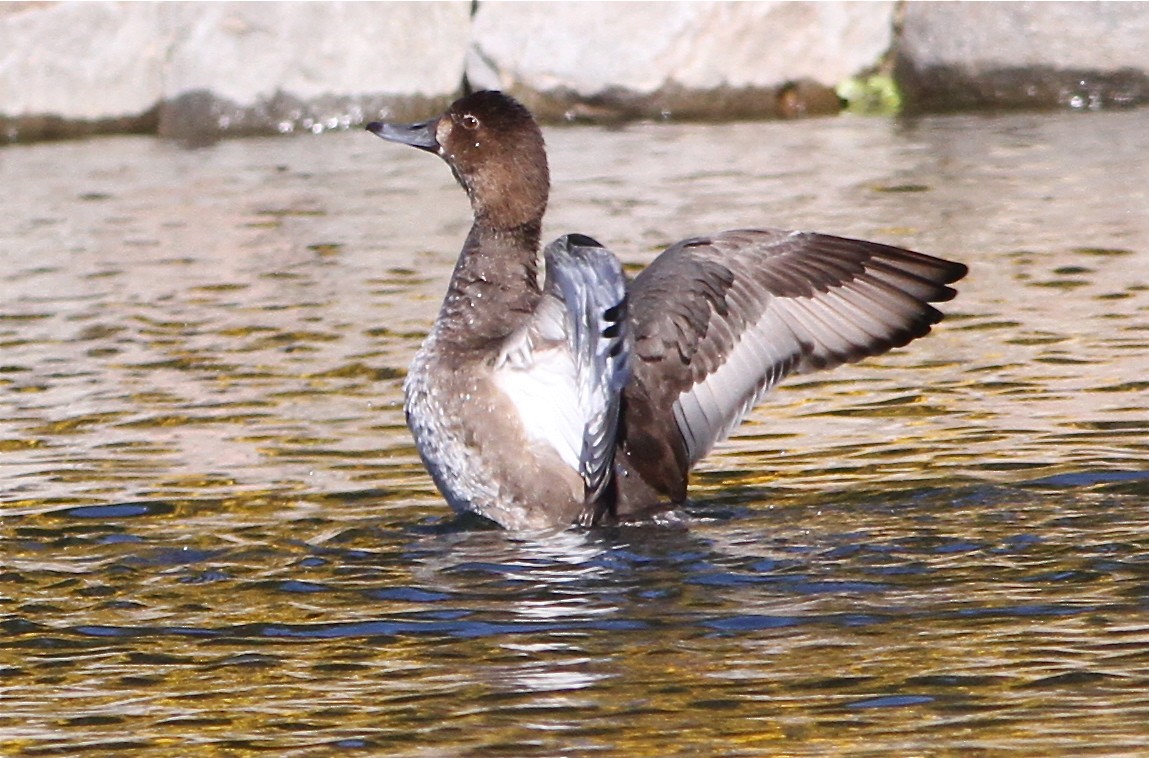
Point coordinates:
[(566, 370), (719, 320)]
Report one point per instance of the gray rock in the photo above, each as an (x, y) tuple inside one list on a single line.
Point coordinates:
[(1023, 54), (682, 59), (256, 67), (203, 69), (99, 64)]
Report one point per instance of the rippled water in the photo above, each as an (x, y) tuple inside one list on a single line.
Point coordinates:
[(216, 535)]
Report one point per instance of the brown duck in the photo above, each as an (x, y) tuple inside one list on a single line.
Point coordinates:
[(588, 399)]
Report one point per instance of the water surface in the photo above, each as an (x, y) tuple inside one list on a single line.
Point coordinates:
[(216, 534)]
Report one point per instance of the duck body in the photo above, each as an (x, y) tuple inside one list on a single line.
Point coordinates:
[(588, 399), (514, 416)]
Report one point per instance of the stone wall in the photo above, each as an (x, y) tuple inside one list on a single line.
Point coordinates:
[(690, 59), (199, 70), (964, 55)]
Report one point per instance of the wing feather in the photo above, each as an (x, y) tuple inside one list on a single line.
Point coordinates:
[(718, 321), (588, 279), (565, 370)]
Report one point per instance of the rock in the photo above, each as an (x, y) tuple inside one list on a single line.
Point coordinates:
[(198, 70), (78, 68), (1023, 54), (692, 59), (201, 70), (259, 67)]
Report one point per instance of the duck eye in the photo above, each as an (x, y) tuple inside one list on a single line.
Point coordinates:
[(469, 122)]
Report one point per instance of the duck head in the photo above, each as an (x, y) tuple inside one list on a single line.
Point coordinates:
[(495, 150)]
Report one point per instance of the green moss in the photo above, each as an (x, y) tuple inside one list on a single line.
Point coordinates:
[(873, 95)]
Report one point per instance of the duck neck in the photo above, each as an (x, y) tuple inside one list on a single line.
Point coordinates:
[(494, 287)]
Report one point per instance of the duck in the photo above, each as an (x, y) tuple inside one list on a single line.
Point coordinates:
[(586, 399)]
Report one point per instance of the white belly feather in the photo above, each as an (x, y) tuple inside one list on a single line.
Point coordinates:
[(545, 394)]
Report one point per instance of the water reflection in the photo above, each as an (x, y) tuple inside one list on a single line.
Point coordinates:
[(216, 531)]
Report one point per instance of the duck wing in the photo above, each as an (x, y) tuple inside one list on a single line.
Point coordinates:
[(717, 321), (566, 369)]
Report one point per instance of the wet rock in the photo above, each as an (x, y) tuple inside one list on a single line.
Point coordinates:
[(54, 82), (681, 60), (262, 67), (200, 117), (953, 56), (197, 70)]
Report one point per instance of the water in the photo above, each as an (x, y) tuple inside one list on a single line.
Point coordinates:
[(216, 534)]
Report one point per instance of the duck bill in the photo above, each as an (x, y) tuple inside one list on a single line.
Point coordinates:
[(420, 135)]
